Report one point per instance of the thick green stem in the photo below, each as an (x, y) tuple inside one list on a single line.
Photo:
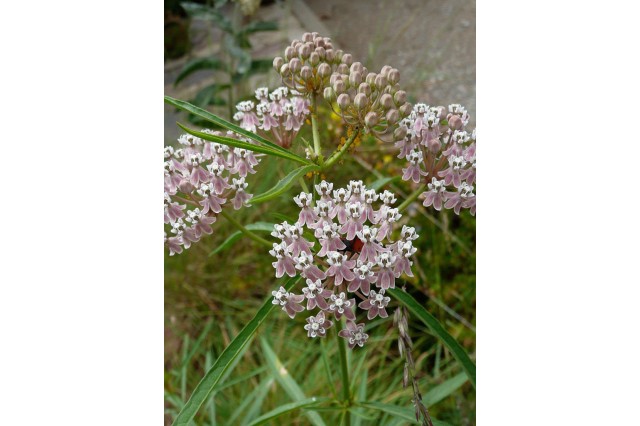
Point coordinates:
[(337, 154), (412, 197), (344, 368), (314, 127), (245, 231)]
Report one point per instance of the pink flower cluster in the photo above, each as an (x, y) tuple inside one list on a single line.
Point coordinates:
[(276, 112), (441, 153), (343, 246), (197, 186)]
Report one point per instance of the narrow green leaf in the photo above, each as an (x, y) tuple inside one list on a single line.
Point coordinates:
[(206, 115), (438, 330), (198, 65), (443, 390), (245, 145), (258, 226), (379, 183), (286, 381), (401, 412), (203, 390), (253, 411), (257, 26), (284, 184), (287, 408)]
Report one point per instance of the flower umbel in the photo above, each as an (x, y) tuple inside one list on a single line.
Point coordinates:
[(353, 260)]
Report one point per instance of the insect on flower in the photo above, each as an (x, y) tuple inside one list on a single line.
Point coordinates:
[(352, 246)]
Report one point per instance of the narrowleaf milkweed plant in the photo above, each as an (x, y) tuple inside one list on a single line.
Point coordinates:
[(347, 245)]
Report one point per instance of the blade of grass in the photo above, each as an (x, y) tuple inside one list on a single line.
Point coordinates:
[(257, 226), (404, 413), (203, 390), (438, 330), (287, 408), (286, 381), (254, 409), (443, 390)]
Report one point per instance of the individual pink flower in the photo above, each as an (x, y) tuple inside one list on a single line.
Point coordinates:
[(290, 303), (172, 211), (298, 242), (375, 305), (404, 250), (210, 201), (340, 305), (364, 277), (307, 216), (317, 325), (370, 247), (452, 174), (462, 198), (305, 264), (284, 263), (241, 198), (354, 220), (316, 295), (329, 239), (413, 171), (249, 119), (340, 267), (386, 276), (388, 217), (435, 196), (339, 209), (354, 334)]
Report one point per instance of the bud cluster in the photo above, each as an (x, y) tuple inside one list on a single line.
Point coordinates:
[(441, 153), (276, 112), (369, 100), (197, 187), (335, 246), (308, 63)]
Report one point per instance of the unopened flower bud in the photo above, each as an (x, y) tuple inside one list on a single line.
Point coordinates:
[(324, 70), (356, 66), (329, 93), (371, 119), (306, 72), (405, 109), (364, 88), (289, 53), (314, 59), (393, 116), (320, 42), (386, 101), (329, 55), (385, 70), (304, 51), (307, 37), (434, 145), (400, 97), (347, 59), (380, 81), (393, 76), (277, 63), (284, 69), (294, 65), (321, 52), (361, 100), (400, 133), (371, 78), (355, 78), (343, 101), (455, 122), (339, 53), (343, 69), (339, 86)]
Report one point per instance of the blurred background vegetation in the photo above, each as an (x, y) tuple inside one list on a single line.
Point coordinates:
[(209, 298)]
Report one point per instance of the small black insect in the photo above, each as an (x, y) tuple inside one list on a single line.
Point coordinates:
[(352, 246)]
